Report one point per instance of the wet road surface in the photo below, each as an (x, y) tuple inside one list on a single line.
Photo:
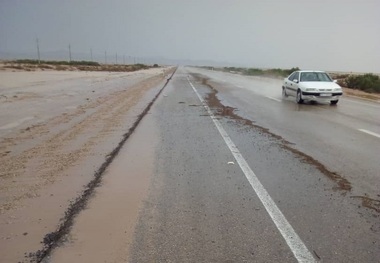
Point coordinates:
[(248, 178), (319, 130)]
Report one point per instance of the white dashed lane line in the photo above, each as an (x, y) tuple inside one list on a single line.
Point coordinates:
[(371, 133), (271, 98)]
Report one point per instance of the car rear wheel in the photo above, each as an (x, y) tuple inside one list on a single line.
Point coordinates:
[(334, 102), (299, 97), (284, 94)]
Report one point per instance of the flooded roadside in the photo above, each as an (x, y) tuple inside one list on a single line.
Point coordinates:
[(115, 204), (44, 168)]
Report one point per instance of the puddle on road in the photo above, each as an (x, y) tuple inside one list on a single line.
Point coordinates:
[(115, 205)]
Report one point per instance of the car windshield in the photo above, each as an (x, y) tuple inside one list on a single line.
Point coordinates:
[(315, 76)]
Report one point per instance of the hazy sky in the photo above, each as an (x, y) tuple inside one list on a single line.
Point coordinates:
[(319, 34)]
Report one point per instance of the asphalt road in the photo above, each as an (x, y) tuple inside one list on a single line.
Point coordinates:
[(223, 170), (335, 136)]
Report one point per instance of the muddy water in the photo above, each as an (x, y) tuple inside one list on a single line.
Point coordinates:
[(103, 232)]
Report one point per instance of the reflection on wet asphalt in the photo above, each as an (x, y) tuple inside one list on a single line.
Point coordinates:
[(201, 208)]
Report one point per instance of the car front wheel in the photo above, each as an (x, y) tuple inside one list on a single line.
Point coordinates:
[(284, 94), (299, 97), (334, 102)]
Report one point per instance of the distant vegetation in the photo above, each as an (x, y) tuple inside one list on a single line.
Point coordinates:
[(368, 82), (275, 72), (53, 62), (32, 65)]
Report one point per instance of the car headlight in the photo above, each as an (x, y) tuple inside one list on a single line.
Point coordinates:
[(337, 89), (311, 89)]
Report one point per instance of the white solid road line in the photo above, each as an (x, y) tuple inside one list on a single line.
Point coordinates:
[(271, 98), (299, 249), (369, 132)]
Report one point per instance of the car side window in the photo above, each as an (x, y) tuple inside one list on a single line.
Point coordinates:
[(296, 76), (303, 77), (291, 77)]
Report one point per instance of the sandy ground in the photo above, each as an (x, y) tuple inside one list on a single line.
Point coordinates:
[(56, 129)]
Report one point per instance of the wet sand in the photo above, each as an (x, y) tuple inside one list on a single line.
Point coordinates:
[(103, 232), (56, 129)]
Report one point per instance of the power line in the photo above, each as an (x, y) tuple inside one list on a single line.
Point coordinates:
[(38, 51), (69, 53)]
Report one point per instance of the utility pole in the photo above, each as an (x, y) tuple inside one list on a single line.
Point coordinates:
[(38, 51), (69, 53), (116, 57), (105, 57), (123, 59), (91, 54)]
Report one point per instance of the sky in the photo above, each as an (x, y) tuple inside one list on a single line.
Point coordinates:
[(341, 35)]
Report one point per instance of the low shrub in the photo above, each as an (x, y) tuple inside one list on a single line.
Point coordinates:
[(139, 66), (44, 66), (367, 82), (275, 72), (60, 67), (14, 67), (253, 72), (84, 63)]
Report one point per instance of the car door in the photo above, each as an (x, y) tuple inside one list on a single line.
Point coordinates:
[(288, 82), (293, 83)]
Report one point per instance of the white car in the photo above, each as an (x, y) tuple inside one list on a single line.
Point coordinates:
[(312, 86)]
